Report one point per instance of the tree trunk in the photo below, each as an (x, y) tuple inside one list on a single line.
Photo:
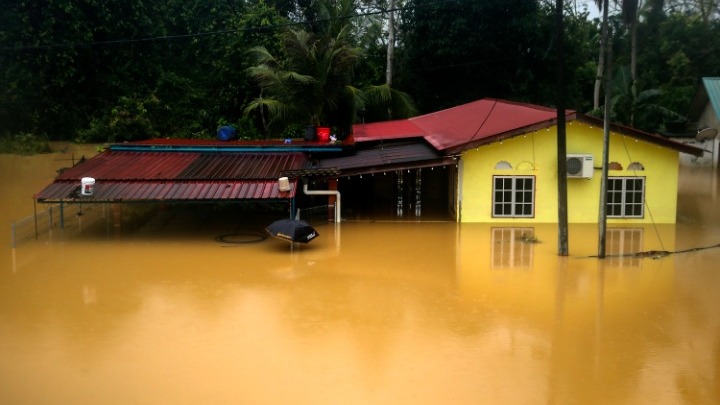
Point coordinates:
[(601, 59), (390, 45)]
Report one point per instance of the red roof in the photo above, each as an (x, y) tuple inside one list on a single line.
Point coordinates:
[(140, 176), (461, 125), (487, 120)]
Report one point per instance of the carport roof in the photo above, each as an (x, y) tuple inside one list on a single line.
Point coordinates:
[(182, 176)]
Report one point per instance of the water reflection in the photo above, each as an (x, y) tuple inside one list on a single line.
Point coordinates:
[(370, 312)]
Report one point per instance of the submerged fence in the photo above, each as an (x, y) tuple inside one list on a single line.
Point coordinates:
[(63, 217)]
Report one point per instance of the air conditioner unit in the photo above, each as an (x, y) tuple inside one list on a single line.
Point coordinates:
[(579, 166)]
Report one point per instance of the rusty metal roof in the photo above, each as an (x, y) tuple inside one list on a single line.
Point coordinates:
[(111, 165), (133, 191), (144, 176)]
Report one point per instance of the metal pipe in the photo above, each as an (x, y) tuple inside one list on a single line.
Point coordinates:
[(326, 192)]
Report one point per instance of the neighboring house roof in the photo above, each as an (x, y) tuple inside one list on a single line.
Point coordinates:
[(485, 121), (187, 176), (709, 91)]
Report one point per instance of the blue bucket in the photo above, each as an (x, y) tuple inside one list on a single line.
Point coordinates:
[(226, 133)]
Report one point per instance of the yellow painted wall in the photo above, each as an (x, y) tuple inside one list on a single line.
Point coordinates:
[(535, 154)]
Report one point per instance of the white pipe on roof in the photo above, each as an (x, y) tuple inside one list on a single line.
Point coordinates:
[(326, 192)]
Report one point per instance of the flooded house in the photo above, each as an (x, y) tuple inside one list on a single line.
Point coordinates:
[(488, 161), (506, 164)]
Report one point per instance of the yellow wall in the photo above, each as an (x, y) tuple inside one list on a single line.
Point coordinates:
[(535, 154)]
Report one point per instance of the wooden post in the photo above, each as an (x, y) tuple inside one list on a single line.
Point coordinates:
[(561, 134), (602, 211)]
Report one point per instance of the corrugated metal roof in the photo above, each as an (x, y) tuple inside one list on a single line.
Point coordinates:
[(457, 126), (111, 165), (130, 191), (387, 154), (143, 176), (488, 120)]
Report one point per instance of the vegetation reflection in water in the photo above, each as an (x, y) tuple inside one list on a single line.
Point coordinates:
[(370, 312)]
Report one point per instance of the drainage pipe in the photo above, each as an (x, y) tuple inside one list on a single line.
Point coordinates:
[(326, 192)]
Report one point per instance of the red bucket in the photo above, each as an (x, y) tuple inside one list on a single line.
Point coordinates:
[(323, 134)]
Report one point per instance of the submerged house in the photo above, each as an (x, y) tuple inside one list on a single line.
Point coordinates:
[(506, 163), (486, 161)]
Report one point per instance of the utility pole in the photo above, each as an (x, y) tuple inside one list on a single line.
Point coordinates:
[(602, 211), (561, 133)]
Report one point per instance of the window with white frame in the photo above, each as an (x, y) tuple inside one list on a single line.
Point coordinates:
[(513, 196), (625, 197)]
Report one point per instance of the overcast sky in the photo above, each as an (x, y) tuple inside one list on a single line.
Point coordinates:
[(592, 8)]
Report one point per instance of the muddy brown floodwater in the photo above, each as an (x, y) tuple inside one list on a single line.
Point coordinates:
[(368, 313)]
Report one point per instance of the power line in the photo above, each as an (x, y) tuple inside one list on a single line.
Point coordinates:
[(214, 33)]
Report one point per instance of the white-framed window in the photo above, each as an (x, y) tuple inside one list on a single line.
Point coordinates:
[(625, 197), (513, 196)]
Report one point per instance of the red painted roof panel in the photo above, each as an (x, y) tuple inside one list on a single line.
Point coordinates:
[(487, 120), (459, 125)]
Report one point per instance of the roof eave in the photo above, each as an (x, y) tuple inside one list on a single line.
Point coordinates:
[(644, 136)]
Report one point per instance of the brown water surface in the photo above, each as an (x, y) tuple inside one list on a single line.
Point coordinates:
[(368, 313)]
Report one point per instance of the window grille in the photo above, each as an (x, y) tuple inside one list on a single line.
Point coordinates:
[(513, 196), (625, 197)]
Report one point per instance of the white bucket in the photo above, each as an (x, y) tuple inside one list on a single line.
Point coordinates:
[(283, 184), (87, 184)]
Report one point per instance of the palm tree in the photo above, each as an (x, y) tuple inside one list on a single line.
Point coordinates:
[(603, 7), (311, 81), (629, 12)]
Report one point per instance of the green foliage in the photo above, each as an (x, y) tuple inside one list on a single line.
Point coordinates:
[(463, 51), (128, 121), (126, 70), (176, 109), (24, 144), (309, 83)]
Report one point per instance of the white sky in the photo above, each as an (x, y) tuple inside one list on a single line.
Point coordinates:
[(592, 8)]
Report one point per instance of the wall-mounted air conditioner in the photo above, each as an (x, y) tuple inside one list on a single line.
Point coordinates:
[(579, 166)]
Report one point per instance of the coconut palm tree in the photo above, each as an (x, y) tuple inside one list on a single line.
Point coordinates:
[(629, 12), (310, 82)]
